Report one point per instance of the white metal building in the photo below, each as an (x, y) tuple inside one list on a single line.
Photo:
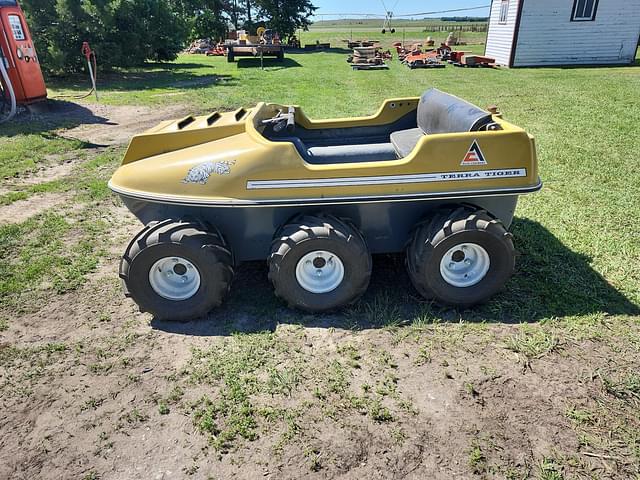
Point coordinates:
[(531, 33)]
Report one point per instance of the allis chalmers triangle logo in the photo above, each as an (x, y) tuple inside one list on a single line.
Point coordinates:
[(474, 156)]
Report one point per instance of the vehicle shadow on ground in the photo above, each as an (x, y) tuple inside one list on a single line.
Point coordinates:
[(148, 77), (268, 62), (550, 281), (635, 63), (339, 50), (166, 79), (52, 115)]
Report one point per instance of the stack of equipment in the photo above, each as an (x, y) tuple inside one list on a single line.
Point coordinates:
[(474, 61), (367, 58)]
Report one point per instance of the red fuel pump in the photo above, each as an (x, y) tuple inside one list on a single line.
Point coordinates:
[(20, 72)]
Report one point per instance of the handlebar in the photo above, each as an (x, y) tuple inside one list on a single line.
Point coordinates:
[(283, 120), (291, 119)]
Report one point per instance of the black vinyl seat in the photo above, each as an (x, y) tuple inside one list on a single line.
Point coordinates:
[(437, 112), (404, 141), (326, 155), (440, 112), (370, 152)]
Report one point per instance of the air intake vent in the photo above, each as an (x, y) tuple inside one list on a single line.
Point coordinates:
[(185, 121), (240, 113), (213, 118)]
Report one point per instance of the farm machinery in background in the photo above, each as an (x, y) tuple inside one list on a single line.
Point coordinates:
[(369, 58), (417, 57), (265, 44), (21, 80)]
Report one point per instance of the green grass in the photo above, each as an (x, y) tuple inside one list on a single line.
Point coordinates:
[(39, 361), (250, 375), (577, 234), (51, 253), (477, 460), (533, 342), (576, 278), (43, 254), (232, 413), (550, 470), (627, 387), (24, 149)]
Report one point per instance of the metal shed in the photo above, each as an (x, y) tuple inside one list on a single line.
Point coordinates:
[(531, 33)]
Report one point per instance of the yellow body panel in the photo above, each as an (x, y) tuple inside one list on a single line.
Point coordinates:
[(389, 111), (173, 135), (158, 161)]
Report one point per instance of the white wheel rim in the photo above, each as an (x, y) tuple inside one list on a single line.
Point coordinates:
[(174, 278), (464, 265), (320, 271)]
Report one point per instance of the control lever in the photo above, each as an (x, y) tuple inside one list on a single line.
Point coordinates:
[(291, 120), (283, 120)]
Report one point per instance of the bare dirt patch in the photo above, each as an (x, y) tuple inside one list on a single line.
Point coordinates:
[(119, 123), (54, 167), (90, 386), (22, 210), (60, 169)]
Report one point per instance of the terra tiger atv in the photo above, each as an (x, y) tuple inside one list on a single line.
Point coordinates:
[(435, 177)]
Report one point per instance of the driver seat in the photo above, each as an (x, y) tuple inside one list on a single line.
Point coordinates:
[(326, 155), (439, 112)]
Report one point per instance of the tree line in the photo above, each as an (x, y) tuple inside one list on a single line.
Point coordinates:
[(126, 33)]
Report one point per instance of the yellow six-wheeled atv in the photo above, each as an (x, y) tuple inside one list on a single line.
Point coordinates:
[(434, 176)]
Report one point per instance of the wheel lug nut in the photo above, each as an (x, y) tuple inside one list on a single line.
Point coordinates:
[(467, 261)]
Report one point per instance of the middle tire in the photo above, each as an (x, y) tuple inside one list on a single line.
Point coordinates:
[(460, 257), (319, 263)]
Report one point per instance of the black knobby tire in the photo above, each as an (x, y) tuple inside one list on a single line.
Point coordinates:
[(319, 233), (193, 241), (230, 55), (433, 238)]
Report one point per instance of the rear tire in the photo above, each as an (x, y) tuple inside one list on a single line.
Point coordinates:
[(177, 270), (230, 55), (319, 263), (460, 257)]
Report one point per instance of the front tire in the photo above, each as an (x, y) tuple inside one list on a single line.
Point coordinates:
[(460, 257), (319, 263), (177, 270)]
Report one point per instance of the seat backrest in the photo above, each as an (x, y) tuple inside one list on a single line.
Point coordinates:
[(440, 112)]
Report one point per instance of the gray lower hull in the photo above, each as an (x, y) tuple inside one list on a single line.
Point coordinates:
[(249, 230)]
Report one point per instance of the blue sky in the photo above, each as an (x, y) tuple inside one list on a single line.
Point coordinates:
[(402, 6)]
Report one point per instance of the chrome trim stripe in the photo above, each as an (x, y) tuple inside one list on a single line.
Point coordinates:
[(388, 179), (324, 201)]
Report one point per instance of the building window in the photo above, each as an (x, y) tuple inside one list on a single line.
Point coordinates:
[(504, 12), (16, 27), (584, 10)]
